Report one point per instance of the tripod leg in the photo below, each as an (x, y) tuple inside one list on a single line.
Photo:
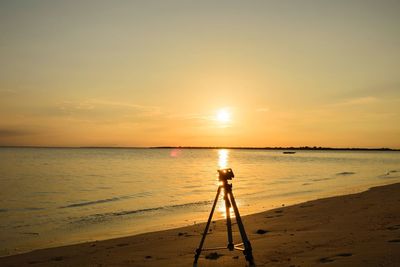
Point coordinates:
[(247, 246), (198, 251), (228, 220)]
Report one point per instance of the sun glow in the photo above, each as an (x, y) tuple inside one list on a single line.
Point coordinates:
[(223, 116)]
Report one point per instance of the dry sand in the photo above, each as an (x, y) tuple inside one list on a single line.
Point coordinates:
[(353, 230)]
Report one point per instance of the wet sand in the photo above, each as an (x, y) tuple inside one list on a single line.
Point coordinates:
[(353, 230)]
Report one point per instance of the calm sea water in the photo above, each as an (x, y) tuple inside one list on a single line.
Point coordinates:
[(52, 197)]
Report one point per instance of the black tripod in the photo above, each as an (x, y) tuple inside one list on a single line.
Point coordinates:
[(224, 176)]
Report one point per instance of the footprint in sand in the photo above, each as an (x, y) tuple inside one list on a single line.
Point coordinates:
[(307, 206), (213, 256), (394, 227), (335, 257), (59, 258), (261, 231)]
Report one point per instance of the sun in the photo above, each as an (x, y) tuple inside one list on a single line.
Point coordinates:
[(223, 116)]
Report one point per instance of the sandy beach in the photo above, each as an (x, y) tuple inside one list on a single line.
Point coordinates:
[(353, 230)]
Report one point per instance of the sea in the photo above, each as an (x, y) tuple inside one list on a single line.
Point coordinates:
[(59, 196)]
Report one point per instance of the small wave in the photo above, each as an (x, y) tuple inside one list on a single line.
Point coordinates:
[(390, 174), (99, 217), (191, 186), (289, 194), (33, 208), (104, 187), (91, 202), (29, 233), (195, 191), (185, 205), (300, 192), (47, 192), (198, 203), (345, 173), (321, 179), (3, 210), (121, 213), (95, 175), (20, 226), (100, 201), (280, 181)]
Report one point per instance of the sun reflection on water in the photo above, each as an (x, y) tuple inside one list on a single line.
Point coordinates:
[(223, 160), (223, 157), (221, 206)]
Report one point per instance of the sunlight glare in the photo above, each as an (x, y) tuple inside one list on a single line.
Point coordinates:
[(222, 209), (223, 116), (223, 156)]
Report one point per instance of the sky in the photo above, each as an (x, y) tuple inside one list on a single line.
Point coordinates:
[(200, 73)]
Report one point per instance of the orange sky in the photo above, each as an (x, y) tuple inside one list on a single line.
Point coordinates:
[(152, 73)]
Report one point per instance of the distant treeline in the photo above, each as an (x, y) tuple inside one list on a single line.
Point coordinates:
[(282, 148), (221, 147)]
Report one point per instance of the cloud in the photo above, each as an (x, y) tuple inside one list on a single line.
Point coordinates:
[(7, 92), (384, 90), (97, 109), (191, 118), (199, 117), (122, 104), (381, 91), (357, 101), (13, 132), (93, 103)]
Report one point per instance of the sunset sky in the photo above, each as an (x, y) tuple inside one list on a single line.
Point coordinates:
[(200, 73)]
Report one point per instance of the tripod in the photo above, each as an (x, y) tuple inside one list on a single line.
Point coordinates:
[(224, 176)]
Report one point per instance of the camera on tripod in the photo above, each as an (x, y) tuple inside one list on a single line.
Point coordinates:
[(230, 202), (225, 174)]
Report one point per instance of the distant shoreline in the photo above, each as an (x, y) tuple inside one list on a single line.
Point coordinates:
[(302, 148)]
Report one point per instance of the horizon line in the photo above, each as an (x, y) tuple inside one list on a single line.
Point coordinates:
[(218, 147)]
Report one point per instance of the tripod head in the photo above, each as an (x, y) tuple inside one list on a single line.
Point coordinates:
[(225, 174)]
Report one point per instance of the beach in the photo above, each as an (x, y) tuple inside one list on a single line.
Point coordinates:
[(360, 229), (124, 123)]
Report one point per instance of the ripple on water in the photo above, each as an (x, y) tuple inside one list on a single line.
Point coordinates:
[(345, 173)]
